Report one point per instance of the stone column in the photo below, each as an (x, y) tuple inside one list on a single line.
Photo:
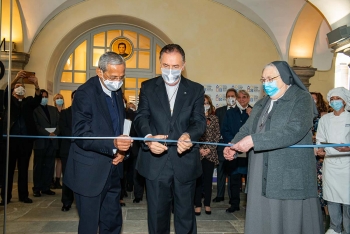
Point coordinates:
[(305, 73), (19, 61)]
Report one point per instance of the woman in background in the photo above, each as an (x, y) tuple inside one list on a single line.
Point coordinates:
[(209, 158), (322, 108), (58, 101)]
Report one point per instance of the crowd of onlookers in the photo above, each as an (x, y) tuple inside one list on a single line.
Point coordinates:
[(32, 116)]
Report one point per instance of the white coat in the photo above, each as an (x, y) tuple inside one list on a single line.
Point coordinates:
[(336, 166)]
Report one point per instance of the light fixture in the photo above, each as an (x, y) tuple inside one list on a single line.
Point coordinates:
[(5, 45), (338, 34)]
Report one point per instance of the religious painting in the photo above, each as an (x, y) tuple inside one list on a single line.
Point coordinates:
[(122, 46)]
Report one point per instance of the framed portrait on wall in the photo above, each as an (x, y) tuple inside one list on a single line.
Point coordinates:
[(122, 46)]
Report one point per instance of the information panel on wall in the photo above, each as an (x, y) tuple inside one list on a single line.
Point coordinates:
[(217, 92)]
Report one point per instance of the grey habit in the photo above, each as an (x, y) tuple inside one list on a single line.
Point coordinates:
[(282, 186)]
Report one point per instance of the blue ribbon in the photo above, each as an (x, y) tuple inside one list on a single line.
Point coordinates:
[(164, 140)]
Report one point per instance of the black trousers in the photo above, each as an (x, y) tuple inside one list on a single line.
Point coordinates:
[(235, 184), (67, 194), (102, 212), (139, 183), (160, 193), (204, 184), (221, 175), (44, 167), (20, 151)]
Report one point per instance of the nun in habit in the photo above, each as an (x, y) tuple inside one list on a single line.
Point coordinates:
[(282, 185)]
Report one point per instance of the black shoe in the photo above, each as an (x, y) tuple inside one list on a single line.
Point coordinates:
[(48, 192), (232, 209), (26, 200), (65, 208), (122, 204), (208, 212), (36, 193), (57, 184), (218, 199), (137, 200)]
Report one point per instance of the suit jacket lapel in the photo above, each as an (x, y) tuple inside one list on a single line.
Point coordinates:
[(160, 90), (42, 112), (181, 97), (120, 105), (102, 104)]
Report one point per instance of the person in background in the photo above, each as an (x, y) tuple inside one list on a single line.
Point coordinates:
[(58, 101), (171, 106), (209, 158), (95, 166), (46, 119), (243, 99), (282, 185), (236, 169), (220, 112), (21, 123), (334, 128), (322, 108), (65, 125)]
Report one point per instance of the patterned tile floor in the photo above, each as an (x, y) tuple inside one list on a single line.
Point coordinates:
[(44, 215)]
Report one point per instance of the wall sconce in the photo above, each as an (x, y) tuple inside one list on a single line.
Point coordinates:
[(302, 62), (5, 46)]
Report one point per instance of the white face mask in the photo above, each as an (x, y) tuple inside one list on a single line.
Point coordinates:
[(112, 85), (20, 91), (231, 101), (170, 76), (206, 108)]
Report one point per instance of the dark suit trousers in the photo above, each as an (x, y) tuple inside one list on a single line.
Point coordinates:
[(235, 188), (221, 175), (139, 183), (67, 193), (160, 193), (20, 151), (102, 212), (204, 182), (44, 167)]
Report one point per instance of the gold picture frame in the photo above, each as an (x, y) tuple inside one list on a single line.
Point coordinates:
[(122, 46)]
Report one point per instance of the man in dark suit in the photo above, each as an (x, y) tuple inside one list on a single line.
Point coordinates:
[(65, 125), (231, 95), (171, 106), (21, 123), (234, 120), (95, 166), (46, 120)]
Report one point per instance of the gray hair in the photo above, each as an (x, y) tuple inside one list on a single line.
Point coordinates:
[(110, 58), (271, 65)]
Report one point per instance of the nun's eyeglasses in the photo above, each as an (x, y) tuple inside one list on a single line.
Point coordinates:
[(268, 79)]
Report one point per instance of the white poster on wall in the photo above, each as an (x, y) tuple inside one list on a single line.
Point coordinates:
[(217, 92)]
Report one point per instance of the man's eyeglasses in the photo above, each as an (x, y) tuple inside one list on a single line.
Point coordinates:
[(268, 79)]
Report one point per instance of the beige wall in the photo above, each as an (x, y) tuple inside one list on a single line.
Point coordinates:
[(221, 45), (323, 81)]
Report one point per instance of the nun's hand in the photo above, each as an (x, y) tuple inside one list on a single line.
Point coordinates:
[(244, 145)]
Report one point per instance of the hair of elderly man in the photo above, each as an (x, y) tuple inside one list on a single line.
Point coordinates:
[(172, 48), (111, 58), (242, 91), (232, 90)]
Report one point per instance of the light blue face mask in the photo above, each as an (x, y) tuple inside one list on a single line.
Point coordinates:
[(271, 88), (59, 102), (337, 104), (44, 101)]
